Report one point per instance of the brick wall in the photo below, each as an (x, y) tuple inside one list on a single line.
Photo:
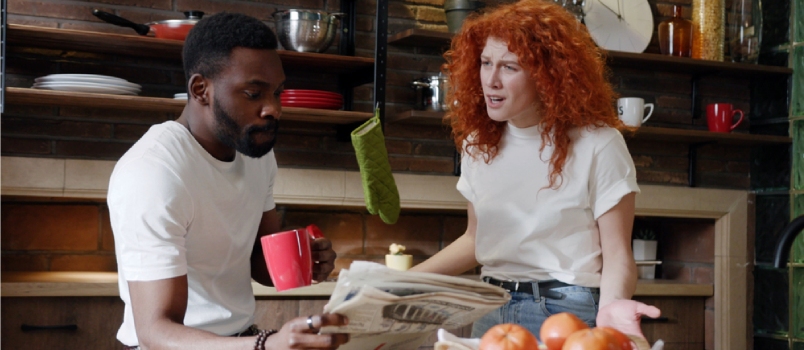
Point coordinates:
[(63, 235)]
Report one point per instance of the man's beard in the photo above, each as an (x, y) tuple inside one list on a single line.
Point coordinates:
[(228, 133)]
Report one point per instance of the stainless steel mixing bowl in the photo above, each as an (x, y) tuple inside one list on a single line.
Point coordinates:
[(306, 30)]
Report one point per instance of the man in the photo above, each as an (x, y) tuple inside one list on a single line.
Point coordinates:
[(189, 201)]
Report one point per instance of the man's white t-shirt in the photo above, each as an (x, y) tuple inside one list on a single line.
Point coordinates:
[(527, 231), (176, 210)]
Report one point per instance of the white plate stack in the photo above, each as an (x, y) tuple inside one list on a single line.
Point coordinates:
[(100, 84)]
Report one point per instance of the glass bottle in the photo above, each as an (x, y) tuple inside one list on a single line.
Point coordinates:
[(708, 29), (675, 35), (745, 30)]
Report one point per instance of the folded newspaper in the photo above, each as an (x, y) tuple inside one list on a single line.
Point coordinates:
[(399, 310)]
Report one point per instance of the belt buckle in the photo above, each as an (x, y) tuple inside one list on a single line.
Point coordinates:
[(516, 286)]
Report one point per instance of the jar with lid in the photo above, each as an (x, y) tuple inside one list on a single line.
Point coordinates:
[(745, 30), (675, 35)]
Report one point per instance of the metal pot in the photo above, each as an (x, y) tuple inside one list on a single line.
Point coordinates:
[(306, 30), (431, 93), (175, 29)]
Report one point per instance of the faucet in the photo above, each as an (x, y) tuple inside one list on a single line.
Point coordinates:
[(789, 234)]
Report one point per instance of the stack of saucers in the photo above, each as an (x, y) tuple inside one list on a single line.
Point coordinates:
[(94, 83), (311, 99)]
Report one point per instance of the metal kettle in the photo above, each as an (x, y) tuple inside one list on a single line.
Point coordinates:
[(431, 93)]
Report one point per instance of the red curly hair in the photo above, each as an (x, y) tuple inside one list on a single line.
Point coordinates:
[(565, 64)]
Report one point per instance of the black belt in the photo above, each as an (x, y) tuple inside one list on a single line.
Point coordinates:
[(545, 287)]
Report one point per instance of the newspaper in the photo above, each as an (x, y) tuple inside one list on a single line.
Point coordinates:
[(398, 310)]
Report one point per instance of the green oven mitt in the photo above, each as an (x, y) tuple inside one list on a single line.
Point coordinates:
[(379, 186)]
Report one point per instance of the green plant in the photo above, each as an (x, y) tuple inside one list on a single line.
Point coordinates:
[(645, 234)]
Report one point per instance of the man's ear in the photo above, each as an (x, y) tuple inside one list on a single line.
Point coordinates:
[(198, 89)]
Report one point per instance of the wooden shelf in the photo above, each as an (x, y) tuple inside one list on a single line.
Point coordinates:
[(26, 96), (698, 136), (417, 117), (30, 284), (421, 37), (643, 133), (143, 46)]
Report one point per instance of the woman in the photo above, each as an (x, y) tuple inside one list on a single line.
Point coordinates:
[(548, 177)]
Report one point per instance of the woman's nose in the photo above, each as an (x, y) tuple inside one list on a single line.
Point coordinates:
[(493, 79)]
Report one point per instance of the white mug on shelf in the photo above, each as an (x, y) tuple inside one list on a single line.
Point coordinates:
[(631, 109)]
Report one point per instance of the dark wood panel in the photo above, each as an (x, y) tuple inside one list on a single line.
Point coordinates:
[(685, 323), (273, 313), (97, 320)]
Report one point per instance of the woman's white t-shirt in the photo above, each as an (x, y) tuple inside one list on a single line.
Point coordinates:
[(527, 231), (176, 210)]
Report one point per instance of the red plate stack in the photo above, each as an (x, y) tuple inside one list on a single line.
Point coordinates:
[(311, 99)]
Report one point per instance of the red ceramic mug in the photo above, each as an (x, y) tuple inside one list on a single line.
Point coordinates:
[(289, 258), (720, 116)]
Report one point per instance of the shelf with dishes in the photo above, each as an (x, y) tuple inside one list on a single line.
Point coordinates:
[(19, 36), (423, 37), (26, 96), (690, 136)]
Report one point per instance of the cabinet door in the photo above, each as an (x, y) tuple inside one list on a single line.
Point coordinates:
[(684, 327), (89, 322)]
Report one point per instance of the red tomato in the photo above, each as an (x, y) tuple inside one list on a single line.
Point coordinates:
[(508, 336), (619, 337), (590, 339), (558, 327)]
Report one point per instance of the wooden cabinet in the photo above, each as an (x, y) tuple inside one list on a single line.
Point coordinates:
[(682, 325), (35, 323)]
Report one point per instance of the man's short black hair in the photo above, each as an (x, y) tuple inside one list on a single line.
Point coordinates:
[(213, 38)]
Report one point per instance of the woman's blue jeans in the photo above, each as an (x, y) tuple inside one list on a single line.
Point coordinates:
[(530, 310)]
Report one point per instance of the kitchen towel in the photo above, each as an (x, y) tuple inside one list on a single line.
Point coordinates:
[(379, 187)]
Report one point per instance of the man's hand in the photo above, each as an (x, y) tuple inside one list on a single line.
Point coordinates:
[(299, 333), (323, 258), (624, 315)]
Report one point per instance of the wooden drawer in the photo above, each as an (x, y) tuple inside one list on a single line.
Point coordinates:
[(74, 322), (682, 326)]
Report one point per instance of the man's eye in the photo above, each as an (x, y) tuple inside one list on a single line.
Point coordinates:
[(252, 95)]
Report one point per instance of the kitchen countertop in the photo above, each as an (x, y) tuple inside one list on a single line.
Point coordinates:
[(83, 284)]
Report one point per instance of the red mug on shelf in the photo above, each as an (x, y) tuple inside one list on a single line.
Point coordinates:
[(720, 117), (289, 258)]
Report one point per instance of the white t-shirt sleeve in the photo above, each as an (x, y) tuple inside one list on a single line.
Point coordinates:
[(150, 210), (270, 203), (464, 186), (613, 176)]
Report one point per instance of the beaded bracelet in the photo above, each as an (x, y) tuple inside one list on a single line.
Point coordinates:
[(262, 337)]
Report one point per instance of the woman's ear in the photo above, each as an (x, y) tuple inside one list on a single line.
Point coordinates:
[(198, 89)]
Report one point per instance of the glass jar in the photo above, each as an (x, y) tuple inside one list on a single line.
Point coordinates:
[(745, 30), (675, 35), (708, 29)]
